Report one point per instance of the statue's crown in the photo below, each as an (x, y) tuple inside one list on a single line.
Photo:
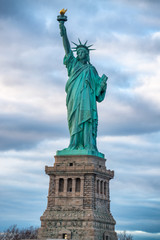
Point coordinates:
[(80, 45)]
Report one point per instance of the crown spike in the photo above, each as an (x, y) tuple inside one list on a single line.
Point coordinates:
[(79, 41), (75, 43), (77, 46), (90, 46), (85, 43)]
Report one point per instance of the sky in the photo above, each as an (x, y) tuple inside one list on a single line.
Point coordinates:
[(33, 117)]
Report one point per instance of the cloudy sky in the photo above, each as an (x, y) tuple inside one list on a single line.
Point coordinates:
[(33, 125)]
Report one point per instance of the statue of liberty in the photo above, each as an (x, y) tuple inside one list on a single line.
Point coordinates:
[(84, 88)]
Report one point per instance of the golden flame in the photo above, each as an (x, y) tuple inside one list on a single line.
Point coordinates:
[(62, 12)]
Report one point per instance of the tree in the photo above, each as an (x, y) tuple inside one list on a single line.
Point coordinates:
[(14, 233), (124, 236)]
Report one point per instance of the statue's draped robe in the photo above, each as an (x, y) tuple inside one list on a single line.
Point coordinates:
[(81, 89)]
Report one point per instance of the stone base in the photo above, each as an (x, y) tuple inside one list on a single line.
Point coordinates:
[(77, 225), (80, 211)]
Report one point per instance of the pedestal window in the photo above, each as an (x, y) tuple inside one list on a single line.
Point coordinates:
[(101, 187), (61, 185), (98, 186), (69, 185), (78, 184), (105, 192)]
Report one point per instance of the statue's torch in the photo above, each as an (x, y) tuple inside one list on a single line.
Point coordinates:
[(62, 18)]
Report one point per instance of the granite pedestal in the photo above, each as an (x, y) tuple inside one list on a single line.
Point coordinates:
[(78, 200)]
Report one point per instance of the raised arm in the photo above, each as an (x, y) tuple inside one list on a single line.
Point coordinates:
[(63, 33)]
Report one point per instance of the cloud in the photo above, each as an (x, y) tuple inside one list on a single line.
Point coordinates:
[(24, 185), (128, 116), (22, 132), (134, 190), (33, 119), (44, 90), (142, 235)]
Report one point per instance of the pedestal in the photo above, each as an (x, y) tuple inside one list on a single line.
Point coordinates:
[(78, 200)]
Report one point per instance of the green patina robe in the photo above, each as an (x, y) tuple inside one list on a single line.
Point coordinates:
[(83, 89)]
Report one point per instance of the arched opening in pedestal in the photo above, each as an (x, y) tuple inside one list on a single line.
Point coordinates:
[(78, 184), (65, 234), (69, 185), (105, 236), (61, 185)]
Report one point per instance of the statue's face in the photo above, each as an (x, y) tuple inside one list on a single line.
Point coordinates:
[(82, 53)]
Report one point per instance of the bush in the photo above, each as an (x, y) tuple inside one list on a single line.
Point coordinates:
[(13, 233)]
